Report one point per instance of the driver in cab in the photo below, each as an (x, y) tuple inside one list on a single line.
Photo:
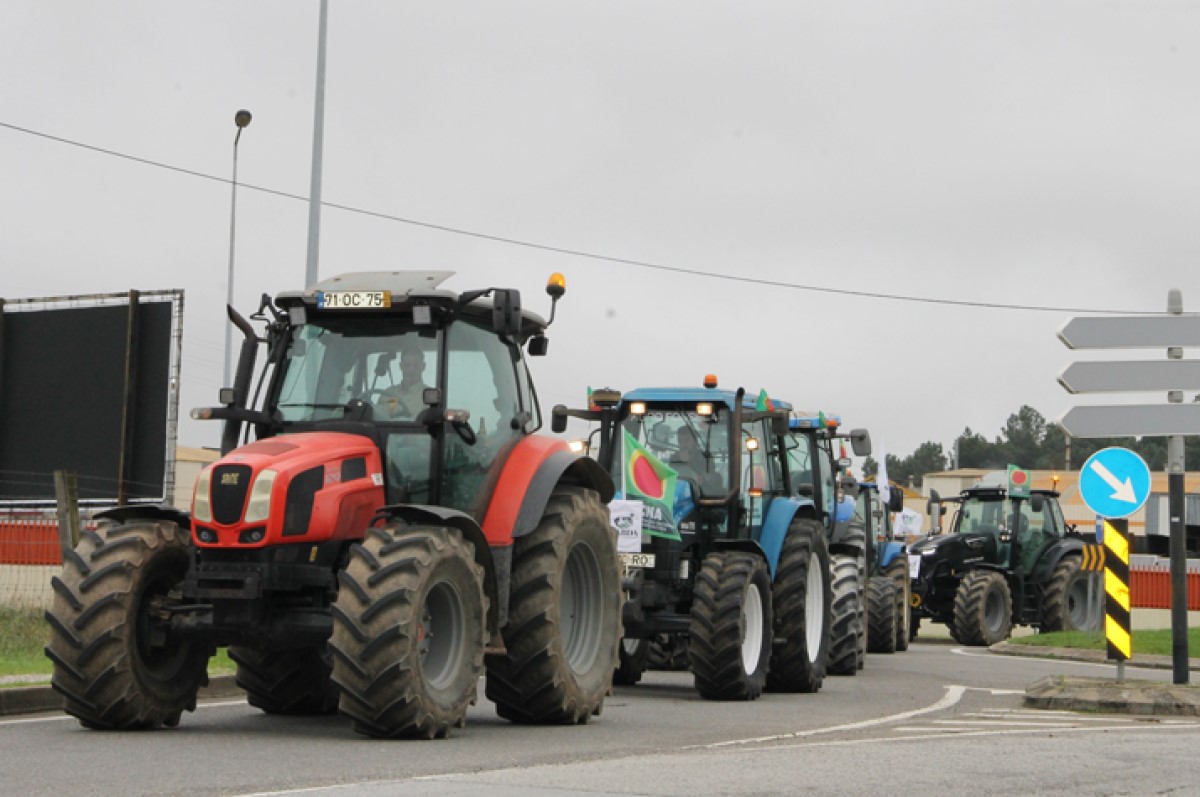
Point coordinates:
[(406, 400)]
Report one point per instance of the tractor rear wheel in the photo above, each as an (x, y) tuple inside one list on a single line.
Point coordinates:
[(847, 626), (898, 572), (801, 602), (564, 616), (631, 661), (115, 664), (667, 652), (982, 609), (729, 648), (287, 681), (408, 631), (1066, 605), (881, 614)]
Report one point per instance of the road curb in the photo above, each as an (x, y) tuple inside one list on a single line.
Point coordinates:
[(38, 699), (1143, 698)]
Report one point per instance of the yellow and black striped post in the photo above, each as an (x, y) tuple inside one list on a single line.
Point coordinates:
[(1116, 592)]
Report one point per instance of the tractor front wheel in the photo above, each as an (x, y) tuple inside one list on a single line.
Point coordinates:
[(564, 616), (982, 609), (292, 682), (881, 614), (898, 572), (730, 631), (848, 628), (631, 661), (408, 631), (802, 603), (114, 661)]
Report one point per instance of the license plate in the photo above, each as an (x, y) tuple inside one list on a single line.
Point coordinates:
[(637, 559), (354, 300), (914, 565)]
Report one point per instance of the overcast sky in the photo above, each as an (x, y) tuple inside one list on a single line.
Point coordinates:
[(1016, 153)]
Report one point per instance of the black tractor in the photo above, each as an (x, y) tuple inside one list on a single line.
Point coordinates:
[(1009, 559)]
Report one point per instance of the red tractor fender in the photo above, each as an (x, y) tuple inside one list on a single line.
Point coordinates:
[(535, 467)]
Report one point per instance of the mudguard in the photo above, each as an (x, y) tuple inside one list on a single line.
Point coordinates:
[(1053, 555), (124, 514), (534, 468), (775, 527), (890, 551)]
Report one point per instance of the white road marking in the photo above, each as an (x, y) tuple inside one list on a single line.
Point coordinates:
[(68, 717), (954, 693), (1111, 666)]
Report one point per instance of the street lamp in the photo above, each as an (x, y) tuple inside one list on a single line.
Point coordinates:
[(241, 119)]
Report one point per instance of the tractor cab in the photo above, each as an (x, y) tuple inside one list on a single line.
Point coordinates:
[(1007, 531), (435, 379)]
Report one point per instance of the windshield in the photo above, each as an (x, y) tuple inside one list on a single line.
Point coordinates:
[(695, 447), (383, 362)]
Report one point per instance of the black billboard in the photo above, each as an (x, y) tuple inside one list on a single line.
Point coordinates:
[(86, 389)]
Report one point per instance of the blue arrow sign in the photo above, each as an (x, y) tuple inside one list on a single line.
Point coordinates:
[(1114, 482)]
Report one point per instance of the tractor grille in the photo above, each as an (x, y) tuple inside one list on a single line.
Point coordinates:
[(230, 483), (297, 512)]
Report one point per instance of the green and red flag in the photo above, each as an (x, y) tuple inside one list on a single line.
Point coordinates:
[(1018, 482), (649, 479), (764, 402)]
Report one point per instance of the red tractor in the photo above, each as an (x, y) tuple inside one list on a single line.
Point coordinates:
[(394, 528)]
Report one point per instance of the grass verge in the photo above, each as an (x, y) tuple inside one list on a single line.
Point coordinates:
[(1150, 642), (23, 634)]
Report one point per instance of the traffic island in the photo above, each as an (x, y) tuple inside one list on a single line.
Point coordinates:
[(1108, 696)]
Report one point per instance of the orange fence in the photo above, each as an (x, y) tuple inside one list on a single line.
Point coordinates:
[(32, 541), (1150, 586)]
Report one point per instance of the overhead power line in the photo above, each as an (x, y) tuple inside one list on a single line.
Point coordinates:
[(578, 252)]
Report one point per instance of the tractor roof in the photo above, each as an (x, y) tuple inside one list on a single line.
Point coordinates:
[(691, 395), (407, 289)]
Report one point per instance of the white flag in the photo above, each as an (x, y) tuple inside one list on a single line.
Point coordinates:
[(881, 477)]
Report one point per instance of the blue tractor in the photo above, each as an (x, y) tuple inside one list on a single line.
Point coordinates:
[(724, 534), (888, 584)]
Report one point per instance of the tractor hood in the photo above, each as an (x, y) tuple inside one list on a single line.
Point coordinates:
[(956, 549)]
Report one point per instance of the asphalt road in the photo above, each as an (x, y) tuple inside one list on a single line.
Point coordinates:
[(933, 718)]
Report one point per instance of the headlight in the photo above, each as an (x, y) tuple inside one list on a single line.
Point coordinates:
[(201, 503), (259, 508)]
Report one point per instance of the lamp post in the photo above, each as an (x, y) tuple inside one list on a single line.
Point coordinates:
[(241, 119)]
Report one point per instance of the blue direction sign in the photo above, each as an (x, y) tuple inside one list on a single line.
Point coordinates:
[(1114, 482)]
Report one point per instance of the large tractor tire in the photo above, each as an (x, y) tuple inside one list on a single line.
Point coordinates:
[(898, 572), (564, 616), (667, 652), (881, 614), (802, 601), (116, 666), (1066, 605), (982, 609), (631, 661), (847, 626), (292, 682), (729, 648), (408, 631)]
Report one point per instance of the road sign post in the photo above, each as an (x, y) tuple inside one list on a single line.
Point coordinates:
[(1173, 420), (1117, 630)]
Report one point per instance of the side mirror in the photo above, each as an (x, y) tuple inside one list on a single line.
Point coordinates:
[(506, 311), (538, 346), (1037, 503), (558, 419), (895, 500), (935, 510), (860, 441)]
